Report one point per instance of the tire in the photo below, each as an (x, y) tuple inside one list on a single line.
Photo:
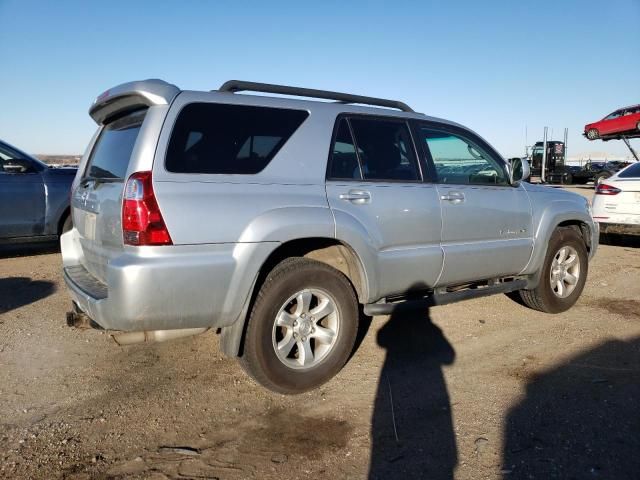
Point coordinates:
[(638, 126), (290, 286), (67, 225), (568, 180), (593, 134), (546, 297)]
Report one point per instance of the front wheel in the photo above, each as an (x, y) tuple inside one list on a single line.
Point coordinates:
[(563, 275), (302, 327), (593, 134)]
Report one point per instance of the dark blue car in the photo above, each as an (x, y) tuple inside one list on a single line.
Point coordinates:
[(34, 198)]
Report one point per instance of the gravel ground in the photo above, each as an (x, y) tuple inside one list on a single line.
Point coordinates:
[(481, 389)]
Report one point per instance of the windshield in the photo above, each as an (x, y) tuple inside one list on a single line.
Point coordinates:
[(111, 154), (537, 151)]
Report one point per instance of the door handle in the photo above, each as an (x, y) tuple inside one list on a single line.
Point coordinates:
[(453, 197), (356, 196)]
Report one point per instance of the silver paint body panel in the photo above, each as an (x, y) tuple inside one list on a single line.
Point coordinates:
[(224, 227)]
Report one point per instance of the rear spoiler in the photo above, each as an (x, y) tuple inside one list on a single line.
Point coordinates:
[(129, 96)]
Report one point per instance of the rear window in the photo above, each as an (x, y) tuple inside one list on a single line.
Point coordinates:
[(111, 154), (229, 139), (631, 171)]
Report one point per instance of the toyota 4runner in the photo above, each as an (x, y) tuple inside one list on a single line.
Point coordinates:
[(278, 221)]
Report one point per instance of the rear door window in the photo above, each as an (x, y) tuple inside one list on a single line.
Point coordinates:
[(110, 156), (385, 150), (213, 138)]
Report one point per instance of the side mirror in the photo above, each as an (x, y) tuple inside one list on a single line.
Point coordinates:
[(14, 168), (18, 165), (519, 171)]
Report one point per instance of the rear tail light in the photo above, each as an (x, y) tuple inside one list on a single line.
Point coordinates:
[(604, 189), (142, 222)]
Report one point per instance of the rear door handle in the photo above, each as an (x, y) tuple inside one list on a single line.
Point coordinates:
[(453, 197), (356, 196)]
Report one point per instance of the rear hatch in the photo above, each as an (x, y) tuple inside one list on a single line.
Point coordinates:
[(97, 198)]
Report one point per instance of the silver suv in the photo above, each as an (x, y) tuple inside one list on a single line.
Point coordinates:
[(273, 220)]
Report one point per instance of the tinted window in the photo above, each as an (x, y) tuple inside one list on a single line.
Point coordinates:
[(14, 162), (460, 161), (385, 150), (231, 139), (344, 161), (631, 171), (111, 154)]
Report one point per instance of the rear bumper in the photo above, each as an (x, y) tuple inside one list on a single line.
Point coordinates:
[(165, 288), (620, 228)]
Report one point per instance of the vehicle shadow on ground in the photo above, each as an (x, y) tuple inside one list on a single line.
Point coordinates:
[(580, 419), (16, 292), (631, 241), (412, 429), (28, 249)]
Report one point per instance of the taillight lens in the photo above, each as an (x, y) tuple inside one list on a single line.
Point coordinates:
[(604, 189), (142, 222)]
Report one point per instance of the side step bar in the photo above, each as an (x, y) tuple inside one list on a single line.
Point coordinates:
[(373, 309)]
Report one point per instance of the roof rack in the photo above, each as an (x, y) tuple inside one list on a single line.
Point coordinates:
[(233, 86)]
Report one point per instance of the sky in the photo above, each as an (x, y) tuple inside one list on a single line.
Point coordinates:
[(500, 67)]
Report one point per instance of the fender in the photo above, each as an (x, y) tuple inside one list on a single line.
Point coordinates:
[(256, 243), (289, 223), (260, 238), (555, 213), (365, 244), (275, 228)]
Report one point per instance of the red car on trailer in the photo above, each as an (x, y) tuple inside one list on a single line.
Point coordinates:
[(623, 120)]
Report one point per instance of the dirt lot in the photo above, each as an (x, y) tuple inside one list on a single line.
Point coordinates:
[(482, 389)]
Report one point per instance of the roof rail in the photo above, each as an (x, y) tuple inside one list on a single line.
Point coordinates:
[(233, 86)]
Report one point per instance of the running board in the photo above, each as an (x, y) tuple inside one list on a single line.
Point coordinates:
[(373, 309)]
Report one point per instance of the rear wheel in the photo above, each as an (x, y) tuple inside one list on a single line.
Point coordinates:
[(302, 327), (563, 275), (593, 134)]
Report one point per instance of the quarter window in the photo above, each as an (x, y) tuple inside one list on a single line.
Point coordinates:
[(229, 139), (344, 160), (461, 162)]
